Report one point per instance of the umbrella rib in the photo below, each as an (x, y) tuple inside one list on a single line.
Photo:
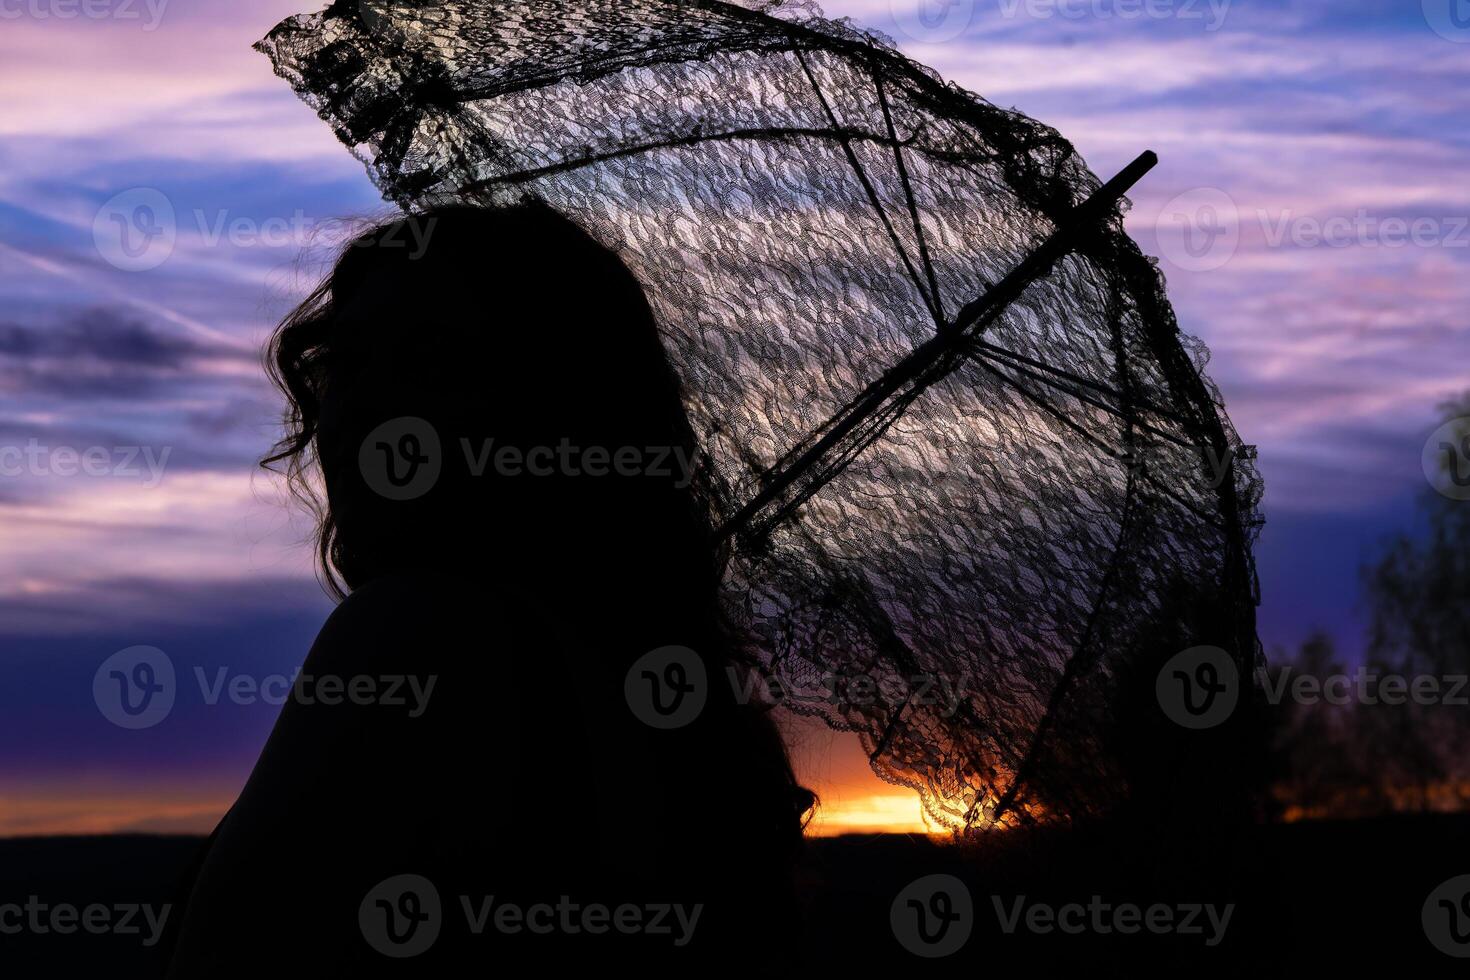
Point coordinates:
[(1050, 409), (1085, 399), (774, 133), (930, 302), (908, 191), (932, 360), (1078, 663), (984, 347), (1074, 666), (1097, 443)]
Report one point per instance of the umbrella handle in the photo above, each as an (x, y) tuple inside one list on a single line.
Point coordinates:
[(927, 363)]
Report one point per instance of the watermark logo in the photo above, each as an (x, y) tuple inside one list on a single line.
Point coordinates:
[(1367, 688), (572, 918), (1210, 13), (385, 19), (1199, 230), (40, 918), (1105, 918), (121, 462), (1446, 917), (401, 459), (411, 692), (136, 230), (1446, 459), (139, 229), (404, 458), (933, 916), (149, 11), (1201, 470), (1363, 229), (135, 688), (941, 691), (401, 916), (1450, 19), (1199, 687), (667, 688), (932, 21), (567, 459)]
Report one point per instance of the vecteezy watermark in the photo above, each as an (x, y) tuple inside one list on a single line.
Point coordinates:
[(149, 12), (1210, 14), (391, 19), (937, 21), (136, 230), (933, 21), (933, 916), (1363, 687), (1450, 19), (1104, 918), (1446, 917), (667, 688), (404, 458), (857, 688), (1363, 229), (1201, 230), (1207, 469), (39, 918), (566, 459), (1198, 688), (136, 688), (139, 229), (408, 691), (1446, 459), (566, 917), (120, 462), (401, 459), (403, 917)]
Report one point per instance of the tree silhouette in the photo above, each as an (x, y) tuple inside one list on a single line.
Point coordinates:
[(1418, 594)]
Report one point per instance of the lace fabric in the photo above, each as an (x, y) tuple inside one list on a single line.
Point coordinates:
[(996, 550)]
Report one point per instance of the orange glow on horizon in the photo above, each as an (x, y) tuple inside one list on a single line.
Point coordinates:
[(894, 812), (832, 764), (40, 811), (853, 799)]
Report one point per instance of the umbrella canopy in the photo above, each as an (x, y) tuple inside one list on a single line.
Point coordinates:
[(974, 476)]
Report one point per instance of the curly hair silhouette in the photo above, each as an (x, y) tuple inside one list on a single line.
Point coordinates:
[(513, 507)]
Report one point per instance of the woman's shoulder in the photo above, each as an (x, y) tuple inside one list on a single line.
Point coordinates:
[(394, 690)]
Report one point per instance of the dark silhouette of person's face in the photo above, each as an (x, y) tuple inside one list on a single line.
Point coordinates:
[(488, 392)]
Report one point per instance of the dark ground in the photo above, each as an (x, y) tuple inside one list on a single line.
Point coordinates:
[(1312, 899)]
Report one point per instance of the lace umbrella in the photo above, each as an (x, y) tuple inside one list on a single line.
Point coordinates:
[(973, 473)]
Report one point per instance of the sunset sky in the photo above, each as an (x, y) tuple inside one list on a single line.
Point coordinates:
[(1326, 139)]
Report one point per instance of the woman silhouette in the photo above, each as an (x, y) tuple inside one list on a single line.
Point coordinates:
[(517, 734)]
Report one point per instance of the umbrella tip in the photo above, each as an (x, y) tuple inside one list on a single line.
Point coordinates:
[(1128, 176), (1145, 162)]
